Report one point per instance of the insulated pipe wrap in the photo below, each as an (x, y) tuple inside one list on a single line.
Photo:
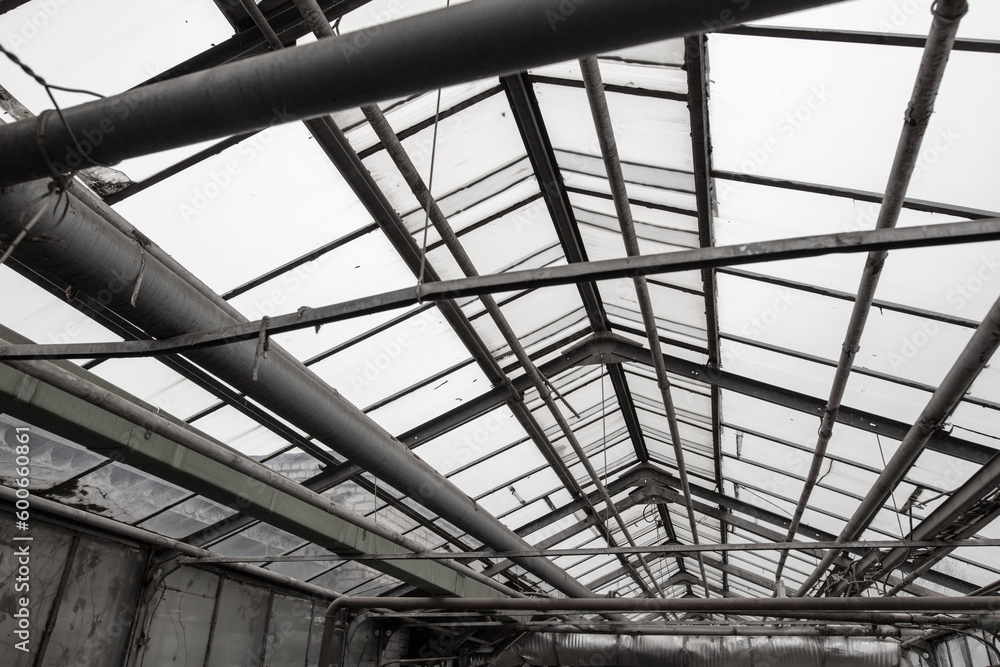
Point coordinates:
[(557, 650), (88, 253)]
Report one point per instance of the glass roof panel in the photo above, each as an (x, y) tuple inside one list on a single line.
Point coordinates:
[(229, 426), (167, 34), (775, 105), (783, 317), (42, 318), (120, 492), (390, 360), (151, 381), (54, 460), (472, 441), (775, 122), (187, 517), (231, 200)]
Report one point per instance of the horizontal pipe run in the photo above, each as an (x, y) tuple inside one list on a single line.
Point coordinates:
[(692, 630), (335, 622), (684, 260), (99, 523), (466, 42), (747, 606), (604, 551), (869, 618)]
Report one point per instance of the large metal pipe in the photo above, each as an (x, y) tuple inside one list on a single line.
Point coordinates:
[(100, 261), (744, 606), (688, 629), (336, 615), (463, 43), (609, 151), (558, 649), (947, 14), (970, 363)]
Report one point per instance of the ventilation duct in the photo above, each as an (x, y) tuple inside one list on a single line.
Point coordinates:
[(556, 650)]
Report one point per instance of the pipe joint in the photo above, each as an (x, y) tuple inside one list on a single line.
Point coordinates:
[(952, 12)]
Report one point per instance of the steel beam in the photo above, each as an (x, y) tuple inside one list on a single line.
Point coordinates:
[(531, 126), (853, 193), (696, 64), (735, 511), (436, 216), (427, 51), (859, 419), (859, 37), (441, 291), (616, 179)]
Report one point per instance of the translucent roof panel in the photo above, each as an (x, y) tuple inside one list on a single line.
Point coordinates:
[(765, 131)]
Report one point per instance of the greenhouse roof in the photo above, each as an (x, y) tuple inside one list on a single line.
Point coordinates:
[(449, 333)]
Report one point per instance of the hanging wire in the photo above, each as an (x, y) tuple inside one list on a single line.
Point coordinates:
[(892, 497), (430, 190), (49, 87), (430, 186), (604, 442), (899, 520)]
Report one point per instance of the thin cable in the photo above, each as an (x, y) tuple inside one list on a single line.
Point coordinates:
[(49, 87), (604, 443), (892, 497), (430, 187)]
